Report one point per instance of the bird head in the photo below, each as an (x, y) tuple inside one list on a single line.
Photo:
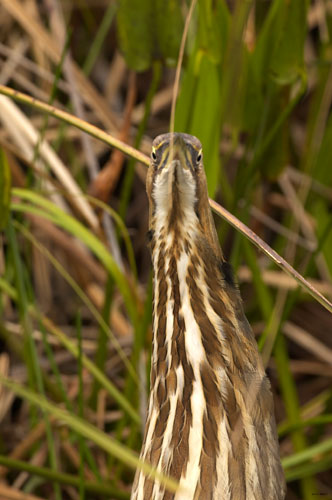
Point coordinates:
[(177, 187)]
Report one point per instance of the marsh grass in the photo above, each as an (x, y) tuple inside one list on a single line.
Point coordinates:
[(75, 285)]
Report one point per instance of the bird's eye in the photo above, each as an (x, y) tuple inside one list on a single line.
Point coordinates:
[(199, 157), (153, 155)]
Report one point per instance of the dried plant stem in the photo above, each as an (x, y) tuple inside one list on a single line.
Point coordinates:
[(134, 153)]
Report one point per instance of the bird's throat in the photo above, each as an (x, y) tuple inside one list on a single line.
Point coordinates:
[(185, 398)]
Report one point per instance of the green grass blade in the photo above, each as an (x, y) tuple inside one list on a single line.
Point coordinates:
[(88, 431), (103, 488), (5, 186), (77, 229), (92, 368)]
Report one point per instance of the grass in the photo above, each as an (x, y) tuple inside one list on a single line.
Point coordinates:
[(75, 284)]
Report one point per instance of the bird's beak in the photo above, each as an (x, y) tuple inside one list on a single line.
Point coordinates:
[(177, 154)]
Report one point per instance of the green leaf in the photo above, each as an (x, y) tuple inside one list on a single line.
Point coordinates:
[(323, 171), (323, 220), (205, 122), (104, 488), (213, 24), (197, 111), (168, 24), (5, 185), (149, 30), (74, 227), (309, 453), (275, 155), (287, 61), (308, 469), (256, 101), (93, 369), (88, 431), (186, 96), (135, 32)]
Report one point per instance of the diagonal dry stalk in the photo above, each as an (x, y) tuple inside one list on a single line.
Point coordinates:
[(141, 157)]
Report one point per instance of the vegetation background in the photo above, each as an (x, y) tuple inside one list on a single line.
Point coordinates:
[(75, 281)]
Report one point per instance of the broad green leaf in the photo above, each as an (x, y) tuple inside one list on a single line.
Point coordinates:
[(280, 42), (184, 104), (258, 61), (267, 39), (136, 32), (278, 53), (275, 155), (233, 74), (194, 117), (287, 60), (206, 45), (149, 30), (5, 185), (205, 121), (255, 98), (168, 23), (213, 24), (198, 111)]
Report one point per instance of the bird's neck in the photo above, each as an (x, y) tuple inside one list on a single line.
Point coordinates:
[(209, 415), (175, 263), (199, 336), (188, 358), (197, 314), (177, 398)]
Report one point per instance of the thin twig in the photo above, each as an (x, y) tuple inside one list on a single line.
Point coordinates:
[(134, 153)]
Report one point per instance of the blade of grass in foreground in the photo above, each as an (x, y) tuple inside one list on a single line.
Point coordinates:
[(82, 295), (74, 350), (308, 454), (30, 353), (80, 404), (103, 488), (92, 368), (88, 431), (74, 227)]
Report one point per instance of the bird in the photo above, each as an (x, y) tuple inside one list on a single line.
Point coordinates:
[(210, 421)]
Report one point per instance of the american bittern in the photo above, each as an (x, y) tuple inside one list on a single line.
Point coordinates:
[(210, 422)]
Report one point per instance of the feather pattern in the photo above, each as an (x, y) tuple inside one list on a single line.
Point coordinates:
[(210, 422)]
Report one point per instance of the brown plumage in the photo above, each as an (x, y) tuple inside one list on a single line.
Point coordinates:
[(210, 422)]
